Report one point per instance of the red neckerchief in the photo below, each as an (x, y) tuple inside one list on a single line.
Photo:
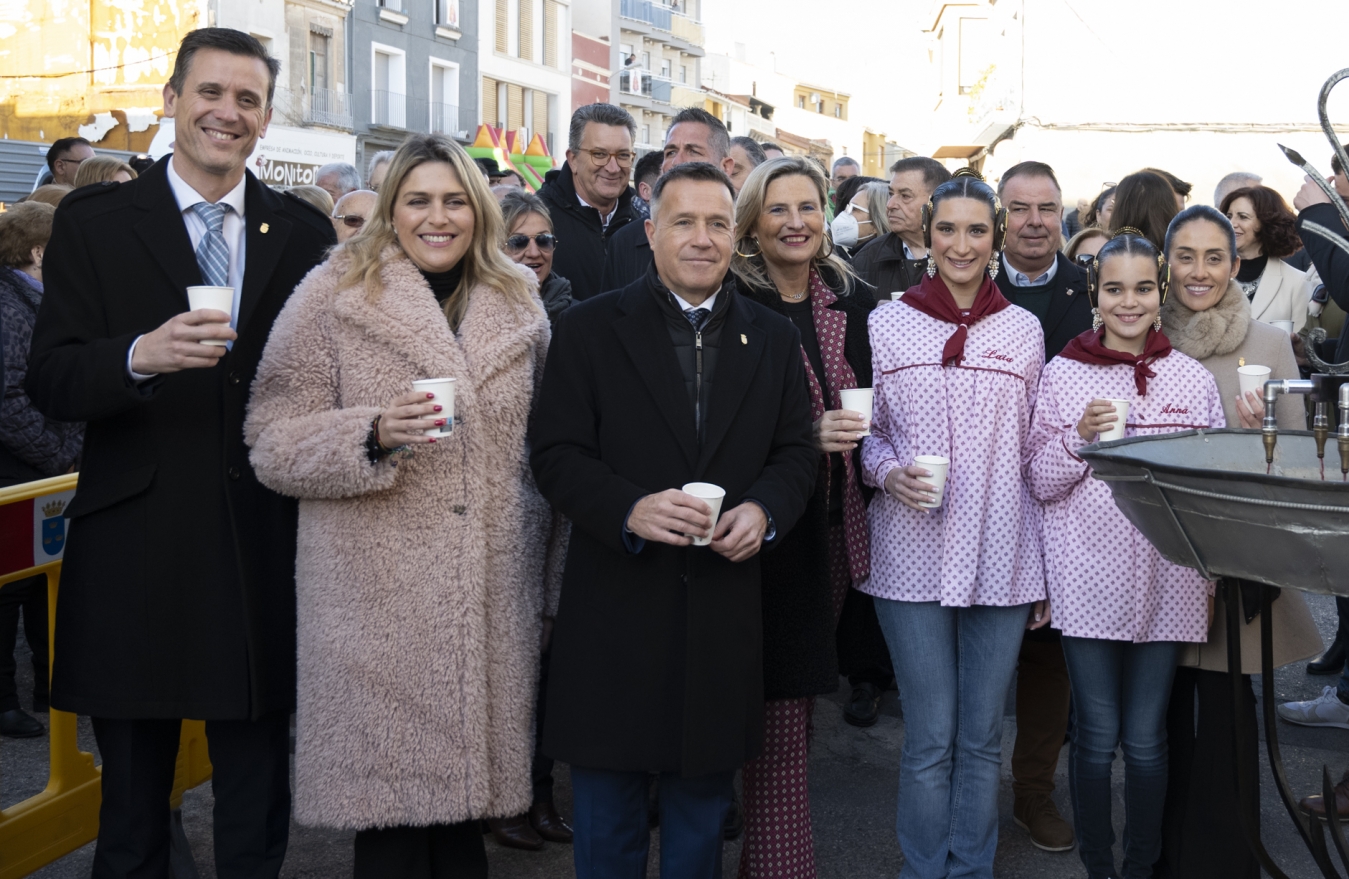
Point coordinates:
[(1089, 347), (831, 330), (933, 298)]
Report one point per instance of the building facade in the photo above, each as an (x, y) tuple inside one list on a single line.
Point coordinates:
[(414, 68), (660, 52), (525, 57)]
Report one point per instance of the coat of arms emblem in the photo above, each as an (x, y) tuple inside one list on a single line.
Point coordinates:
[(53, 527)]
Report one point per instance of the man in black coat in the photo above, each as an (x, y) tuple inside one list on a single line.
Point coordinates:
[(894, 262), (178, 589), (1040, 279), (590, 199), (695, 135), (1331, 263), (657, 648)]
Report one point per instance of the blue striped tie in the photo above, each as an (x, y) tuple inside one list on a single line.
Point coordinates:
[(213, 256)]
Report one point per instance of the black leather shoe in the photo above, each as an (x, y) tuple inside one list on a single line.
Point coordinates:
[(864, 705), (515, 833), (735, 820), (1331, 662), (545, 820), (19, 724)]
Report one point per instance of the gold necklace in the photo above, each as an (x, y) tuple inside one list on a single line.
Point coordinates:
[(797, 298)]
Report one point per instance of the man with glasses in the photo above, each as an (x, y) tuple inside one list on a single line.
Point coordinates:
[(351, 211), (64, 158), (1040, 279), (590, 198)]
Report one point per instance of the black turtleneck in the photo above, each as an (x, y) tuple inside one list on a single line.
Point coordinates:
[(443, 284)]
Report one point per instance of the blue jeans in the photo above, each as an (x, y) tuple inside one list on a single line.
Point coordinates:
[(612, 837), (1121, 692), (954, 666)]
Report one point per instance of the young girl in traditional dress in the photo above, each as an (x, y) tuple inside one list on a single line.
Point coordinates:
[(1124, 611)]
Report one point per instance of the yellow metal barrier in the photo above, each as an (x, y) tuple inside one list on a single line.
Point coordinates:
[(64, 816)]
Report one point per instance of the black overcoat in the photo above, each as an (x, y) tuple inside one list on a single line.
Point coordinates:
[(657, 655), (800, 656), (1069, 313), (178, 586), (582, 239)]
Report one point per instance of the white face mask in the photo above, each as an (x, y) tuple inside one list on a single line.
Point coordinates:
[(845, 229)]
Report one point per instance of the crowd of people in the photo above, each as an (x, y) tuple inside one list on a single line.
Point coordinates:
[(472, 479)]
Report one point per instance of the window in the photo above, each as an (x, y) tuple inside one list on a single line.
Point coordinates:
[(646, 60), (318, 62), (501, 22), (490, 113), (683, 73), (525, 36), (395, 5), (976, 51), (646, 134), (388, 98), (541, 113), (665, 68), (445, 99), (838, 111), (819, 108), (801, 102), (447, 13), (550, 30)]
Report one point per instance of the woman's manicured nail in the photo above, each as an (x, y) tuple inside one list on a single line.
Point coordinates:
[(436, 408), (440, 422), (431, 439)]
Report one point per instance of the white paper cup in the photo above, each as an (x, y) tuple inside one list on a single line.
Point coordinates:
[(218, 298), (897, 295), (858, 400), (938, 467), (713, 495), (1116, 430), (1253, 378), (1285, 325), (443, 388)]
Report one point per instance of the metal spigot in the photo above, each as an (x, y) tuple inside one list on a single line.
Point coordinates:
[(1269, 428), (1342, 434), (1321, 427)]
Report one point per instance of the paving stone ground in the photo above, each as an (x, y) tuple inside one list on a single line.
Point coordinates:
[(854, 779)]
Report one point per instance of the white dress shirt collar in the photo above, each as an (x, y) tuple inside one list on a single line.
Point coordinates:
[(1021, 279), (604, 218), (186, 196), (709, 303)]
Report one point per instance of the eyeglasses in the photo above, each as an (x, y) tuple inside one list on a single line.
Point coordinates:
[(516, 243), (351, 221), (602, 157)]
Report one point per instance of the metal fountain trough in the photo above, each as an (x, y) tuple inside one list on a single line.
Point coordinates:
[(1204, 499)]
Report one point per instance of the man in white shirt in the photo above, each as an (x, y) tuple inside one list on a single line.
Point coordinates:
[(177, 588)]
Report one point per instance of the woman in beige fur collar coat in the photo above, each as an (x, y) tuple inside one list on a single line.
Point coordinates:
[(1208, 317), (419, 576)]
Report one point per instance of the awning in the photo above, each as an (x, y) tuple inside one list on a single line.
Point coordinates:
[(983, 144)]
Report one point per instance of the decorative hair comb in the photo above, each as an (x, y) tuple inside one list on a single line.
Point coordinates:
[(1128, 230), (967, 171)]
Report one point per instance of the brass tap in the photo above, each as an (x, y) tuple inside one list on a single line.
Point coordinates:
[(1321, 427), (1269, 428)]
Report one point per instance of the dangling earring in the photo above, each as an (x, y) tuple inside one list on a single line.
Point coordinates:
[(931, 266), (750, 255), (994, 263), (1157, 322), (1096, 321)]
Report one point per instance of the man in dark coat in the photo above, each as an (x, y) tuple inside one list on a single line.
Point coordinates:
[(1040, 279), (657, 661), (178, 589), (695, 135), (1331, 263), (590, 198), (894, 262)]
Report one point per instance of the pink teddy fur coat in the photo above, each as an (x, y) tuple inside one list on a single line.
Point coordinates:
[(421, 586)]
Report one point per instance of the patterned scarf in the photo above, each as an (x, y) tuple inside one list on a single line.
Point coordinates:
[(933, 298), (831, 330), (1089, 347)]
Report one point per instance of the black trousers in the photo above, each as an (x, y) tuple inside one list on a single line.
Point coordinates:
[(1201, 822), (251, 783), (541, 770), (30, 596), (441, 851)]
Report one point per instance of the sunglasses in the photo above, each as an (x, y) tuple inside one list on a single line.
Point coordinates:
[(351, 221), (1084, 259), (516, 243)]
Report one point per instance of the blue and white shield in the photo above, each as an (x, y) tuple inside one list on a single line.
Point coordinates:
[(53, 535)]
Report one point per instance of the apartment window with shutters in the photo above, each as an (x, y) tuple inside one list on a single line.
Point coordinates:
[(318, 62), (515, 107), (490, 113), (525, 48), (539, 121), (550, 16), (501, 22)]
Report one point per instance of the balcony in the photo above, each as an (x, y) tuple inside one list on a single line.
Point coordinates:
[(640, 83), (389, 109), (686, 29), (655, 14), (327, 107), (446, 119)]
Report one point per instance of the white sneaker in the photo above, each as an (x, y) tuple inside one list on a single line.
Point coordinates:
[(1326, 710)]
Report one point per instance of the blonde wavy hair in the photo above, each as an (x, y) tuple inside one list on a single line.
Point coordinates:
[(484, 263), (749, 207)]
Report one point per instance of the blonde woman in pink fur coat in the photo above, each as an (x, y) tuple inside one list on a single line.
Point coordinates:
[(421, 559)]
